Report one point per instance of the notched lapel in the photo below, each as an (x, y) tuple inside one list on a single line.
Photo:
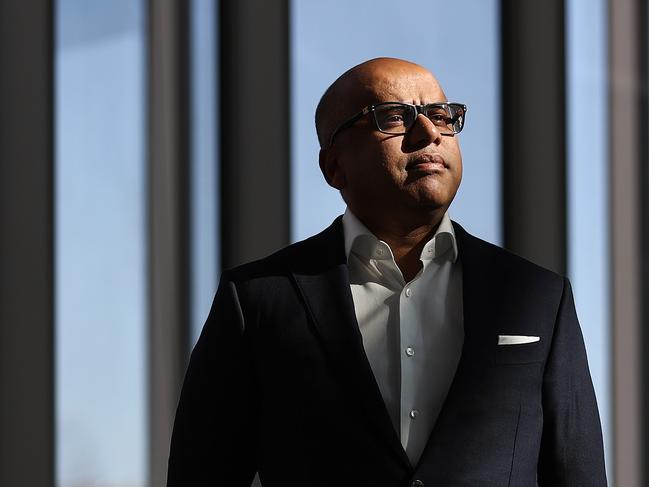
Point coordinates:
[(326, 291), (482, 287), (481, 283)]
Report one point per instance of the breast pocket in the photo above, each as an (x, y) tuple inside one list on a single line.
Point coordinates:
[(521, 353)]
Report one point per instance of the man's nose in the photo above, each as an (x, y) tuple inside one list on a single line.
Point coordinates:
[(424, 132)]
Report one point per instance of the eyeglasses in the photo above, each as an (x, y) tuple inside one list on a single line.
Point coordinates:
[(396, 118)]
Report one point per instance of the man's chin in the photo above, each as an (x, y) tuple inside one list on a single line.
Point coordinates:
[(433, 195)]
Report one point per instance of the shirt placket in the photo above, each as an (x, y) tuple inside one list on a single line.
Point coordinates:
[(410, 354)]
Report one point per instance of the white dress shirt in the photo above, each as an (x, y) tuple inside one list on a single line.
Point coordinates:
[(412, 332)]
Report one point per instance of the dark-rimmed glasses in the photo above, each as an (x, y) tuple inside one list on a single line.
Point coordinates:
[(396, 118)]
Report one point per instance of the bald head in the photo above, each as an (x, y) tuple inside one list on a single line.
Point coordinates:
[(360, 86)]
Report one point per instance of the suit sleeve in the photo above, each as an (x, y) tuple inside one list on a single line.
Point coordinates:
[(572, 453), (214, 440)]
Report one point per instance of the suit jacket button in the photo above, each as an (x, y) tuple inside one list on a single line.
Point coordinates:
[(416, 483)]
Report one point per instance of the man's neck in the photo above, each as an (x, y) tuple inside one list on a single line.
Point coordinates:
[(405, 236)]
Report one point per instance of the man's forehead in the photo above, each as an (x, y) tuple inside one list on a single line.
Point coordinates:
[(390, 76), (405, 86), (393, 80)]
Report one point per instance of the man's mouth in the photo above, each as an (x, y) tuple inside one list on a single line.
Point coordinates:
[(427, 162)]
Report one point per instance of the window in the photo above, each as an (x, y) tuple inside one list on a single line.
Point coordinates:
[(588, 187), (204, 160), (101, 242)]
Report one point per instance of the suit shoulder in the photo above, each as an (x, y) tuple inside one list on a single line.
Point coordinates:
[(506, 260), (314, 251)]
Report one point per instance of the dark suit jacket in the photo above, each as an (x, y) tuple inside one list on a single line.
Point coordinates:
[(279, 383)]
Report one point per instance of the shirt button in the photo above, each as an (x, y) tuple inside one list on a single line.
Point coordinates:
[(416, 483), (379, 251), (414, 413), (408, 292), (410, 351)]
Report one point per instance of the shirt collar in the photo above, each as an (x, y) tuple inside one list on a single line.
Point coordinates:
[(363, 242)]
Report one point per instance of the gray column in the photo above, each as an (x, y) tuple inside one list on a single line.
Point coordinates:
[(169, 227), (625, 172), (255, 128), (642, 24), (533, 130), (26, 244)]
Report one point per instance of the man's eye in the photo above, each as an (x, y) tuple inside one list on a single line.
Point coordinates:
[(439, 118), (393, 119)]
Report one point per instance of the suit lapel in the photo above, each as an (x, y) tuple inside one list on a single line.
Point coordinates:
[(481, 281), (327, 295)]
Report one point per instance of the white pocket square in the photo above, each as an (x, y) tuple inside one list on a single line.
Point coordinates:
[(516, 339)]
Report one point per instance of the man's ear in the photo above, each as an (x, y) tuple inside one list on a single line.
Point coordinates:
[(331, 170)]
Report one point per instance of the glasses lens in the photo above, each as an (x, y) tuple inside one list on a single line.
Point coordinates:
[(458, 113), (394, 118), (449, 117)]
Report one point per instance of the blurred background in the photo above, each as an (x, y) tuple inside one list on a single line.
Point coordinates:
[(147, 145)]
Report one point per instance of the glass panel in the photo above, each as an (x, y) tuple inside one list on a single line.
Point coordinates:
[(588, 216), (319, 56), (101, 259), (204, 173)]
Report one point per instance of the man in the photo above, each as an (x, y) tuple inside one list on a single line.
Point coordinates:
[(393, 348)]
